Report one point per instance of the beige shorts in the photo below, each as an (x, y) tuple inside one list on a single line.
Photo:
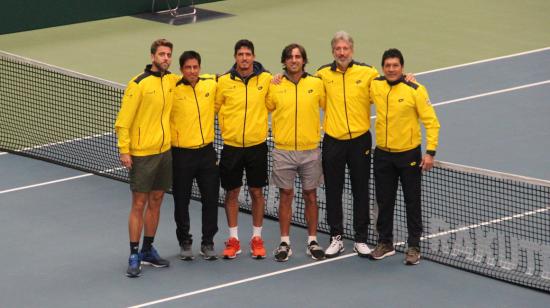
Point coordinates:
[(306, 164), (150, 173)]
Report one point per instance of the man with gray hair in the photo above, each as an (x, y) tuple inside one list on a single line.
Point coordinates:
[(347, 141)]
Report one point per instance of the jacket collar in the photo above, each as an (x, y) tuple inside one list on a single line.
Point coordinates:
[(395, 82), (185, 82), (334, 66), (285, 75), (150, 72), (257, 69)]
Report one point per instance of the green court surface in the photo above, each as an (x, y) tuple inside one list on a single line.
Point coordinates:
[(432, 34)]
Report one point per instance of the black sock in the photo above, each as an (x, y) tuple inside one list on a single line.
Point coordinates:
[(134, 247), (147, 243)]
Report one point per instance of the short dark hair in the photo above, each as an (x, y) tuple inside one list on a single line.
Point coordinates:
[(244, 43), (287, 53), (189, 54), (160, 42), (393, 53)]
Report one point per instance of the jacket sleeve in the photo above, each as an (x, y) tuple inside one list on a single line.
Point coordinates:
[(270, 99), (220, 99), (130, 104), (427, 115), (323, 97)]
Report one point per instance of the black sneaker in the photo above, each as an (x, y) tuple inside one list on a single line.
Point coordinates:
[(207, 252), (315, 251), (282, 252), (134, 266), (152, 258)]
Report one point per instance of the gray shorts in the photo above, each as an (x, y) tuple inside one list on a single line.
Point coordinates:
[(150, 173), (307, 164)]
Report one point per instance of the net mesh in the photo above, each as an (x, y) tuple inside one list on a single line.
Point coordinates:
[(485, 222)]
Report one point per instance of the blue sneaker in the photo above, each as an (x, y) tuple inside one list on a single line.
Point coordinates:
[(152, 258), (134, 266)]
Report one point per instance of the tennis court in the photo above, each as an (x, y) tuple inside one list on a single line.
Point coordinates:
[(68, 238)]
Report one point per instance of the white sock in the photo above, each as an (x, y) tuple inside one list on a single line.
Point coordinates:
[(311, 238), (256, 231), (285, 239), (234, 232)]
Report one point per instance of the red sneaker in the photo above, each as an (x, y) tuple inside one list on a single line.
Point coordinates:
[(257, 248), (232, 248)]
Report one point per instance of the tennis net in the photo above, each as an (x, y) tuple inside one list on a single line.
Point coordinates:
[(486, 222)]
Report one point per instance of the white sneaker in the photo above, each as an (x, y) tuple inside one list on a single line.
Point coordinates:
[(362, 249), (335, 248)]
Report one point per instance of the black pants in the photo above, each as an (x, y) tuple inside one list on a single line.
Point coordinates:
[(356, 154), (389, 168), (199, 164)]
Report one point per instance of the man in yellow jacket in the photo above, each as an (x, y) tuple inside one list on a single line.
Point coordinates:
[(347, 141), (193, 154), (400, 107), (295, 105), (242, 116), (143, 130)]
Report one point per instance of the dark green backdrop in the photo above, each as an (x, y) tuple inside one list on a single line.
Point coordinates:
[(22, 15)]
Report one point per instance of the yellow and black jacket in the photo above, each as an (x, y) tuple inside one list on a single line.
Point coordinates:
[(192, 119), (399, 107), (143, 122), (240, 103), (347, 113), (295, 117)]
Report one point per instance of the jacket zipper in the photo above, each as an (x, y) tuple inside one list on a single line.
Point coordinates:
[(345, 104), (199, 112), (387, 113), (162, 112), (245, 107), (296, 120)]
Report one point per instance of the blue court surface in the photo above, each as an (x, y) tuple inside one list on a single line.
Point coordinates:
[(65, 232)]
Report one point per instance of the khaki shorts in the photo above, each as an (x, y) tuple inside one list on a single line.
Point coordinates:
[(306, 164), (150, 173)]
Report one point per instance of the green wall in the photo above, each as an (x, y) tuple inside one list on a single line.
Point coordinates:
[(22, 15)]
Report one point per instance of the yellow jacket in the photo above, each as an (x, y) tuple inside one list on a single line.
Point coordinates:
[(295, 117), (240, 104), (399, 107), (143, 122), (192, 119), (347, 113)]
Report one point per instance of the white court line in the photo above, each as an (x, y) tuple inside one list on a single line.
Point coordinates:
[(64, 142), (483, 61), (490, 222), (3, 153), (45, 183), (57, 181), (492, 93), (456, 100), (225, 285)]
